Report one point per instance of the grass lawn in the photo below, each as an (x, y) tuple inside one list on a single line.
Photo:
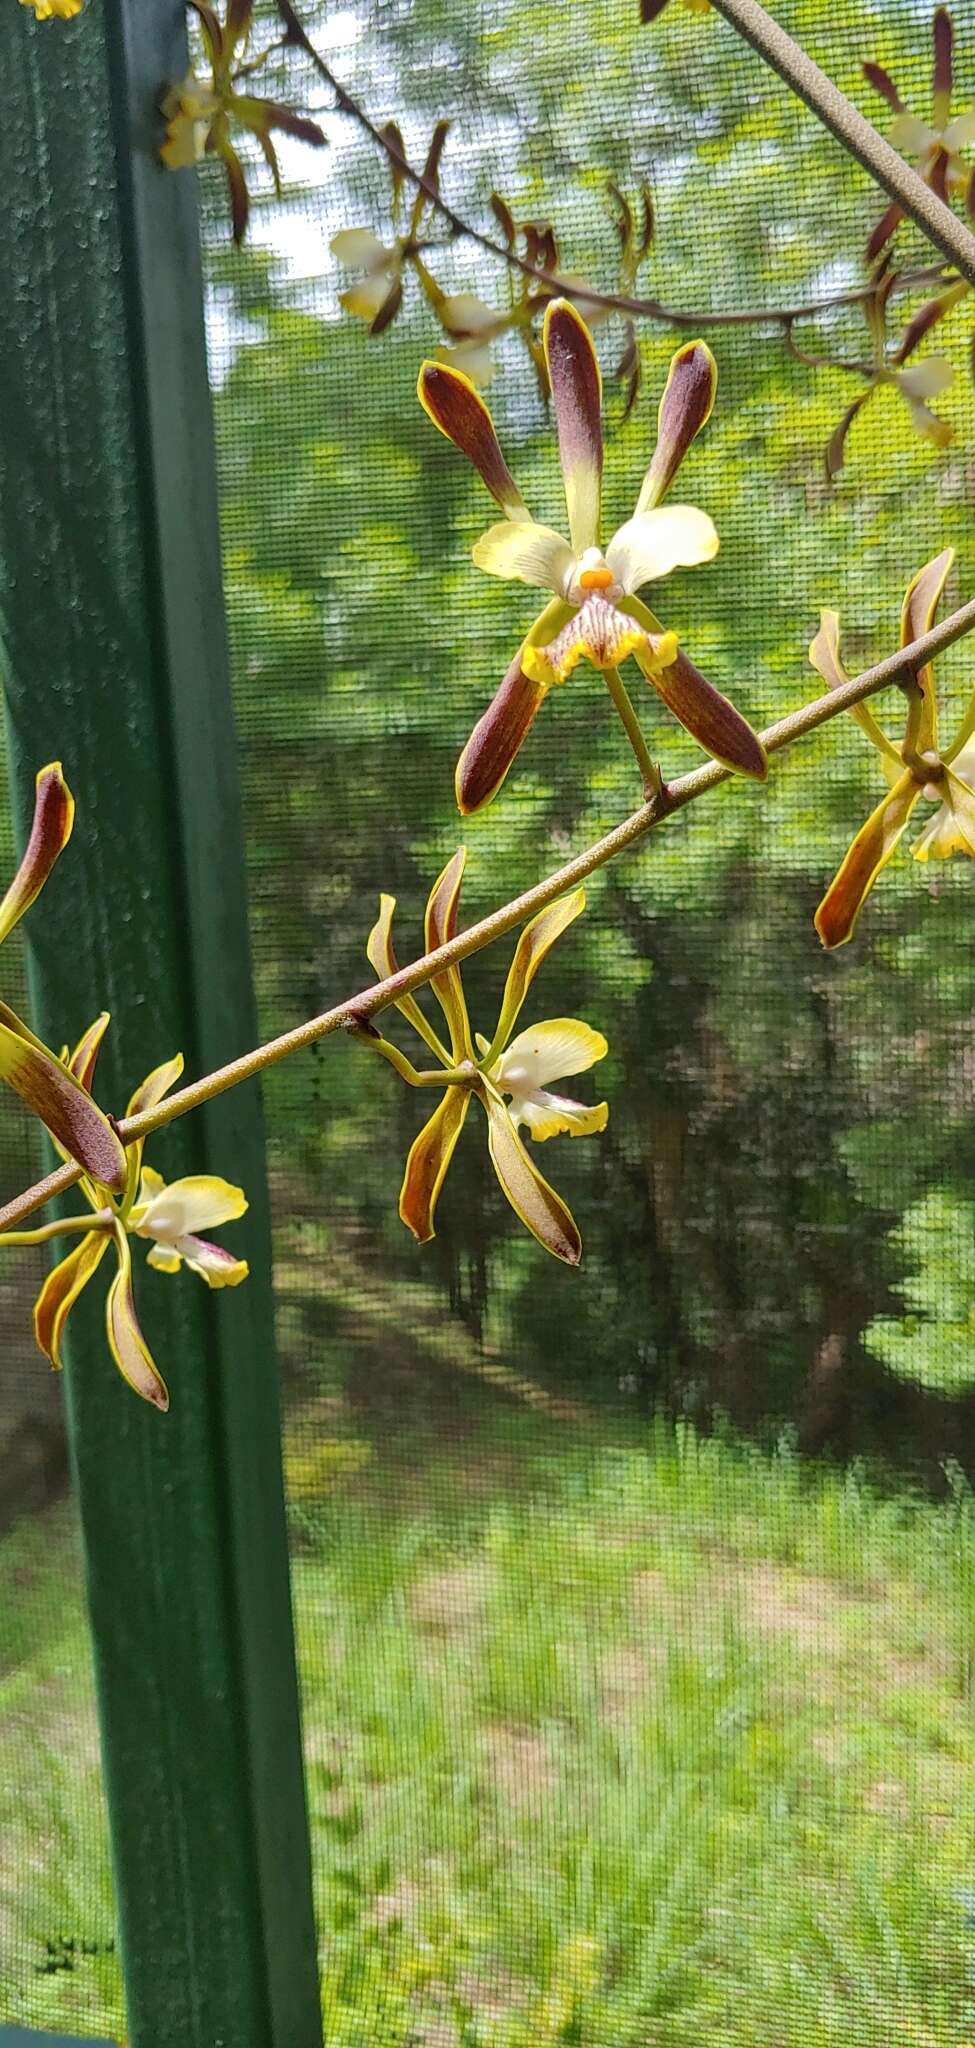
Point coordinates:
[(615, 1736)]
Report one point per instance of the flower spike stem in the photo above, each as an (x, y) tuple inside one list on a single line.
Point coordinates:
[(689, 318), (430, 1077), (356, 1010), (857, 135), (63, 1226), (652, 779)]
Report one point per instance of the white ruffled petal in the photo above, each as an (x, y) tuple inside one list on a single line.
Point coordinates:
[(360, 249), (548, 1052), (524, 552), (911, 136), (200, 1202), (653, 543)]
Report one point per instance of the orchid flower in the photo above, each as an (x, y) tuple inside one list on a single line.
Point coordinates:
[(594, 613), (509, 1077), (919, 770), (916, 383), (935, 147), (378, 296), (171, 1217), (203, 116), (80, 1128)]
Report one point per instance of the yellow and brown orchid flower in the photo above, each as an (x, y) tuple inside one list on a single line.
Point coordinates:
[(919, 770), (76, 1123), (916, 382), (171, 1217), (936, 146), (378, 296), (509, 1076), (204, 116), (595, 613)]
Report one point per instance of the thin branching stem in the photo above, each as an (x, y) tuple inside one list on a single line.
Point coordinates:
[(354, 1011), (857, 135), (683, 317)]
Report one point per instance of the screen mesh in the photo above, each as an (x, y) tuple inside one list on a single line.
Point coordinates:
[(634, 1605)]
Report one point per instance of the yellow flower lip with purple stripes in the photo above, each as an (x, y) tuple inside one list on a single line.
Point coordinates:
[(171, 1217), (595, 614), (918, 770), (509, 1076)]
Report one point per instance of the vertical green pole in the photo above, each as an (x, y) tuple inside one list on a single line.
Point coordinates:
[(114, 660)]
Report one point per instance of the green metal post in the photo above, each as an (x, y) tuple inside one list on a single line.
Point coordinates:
[(115, 661)]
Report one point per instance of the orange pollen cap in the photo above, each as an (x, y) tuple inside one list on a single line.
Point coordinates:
[(596, 579)]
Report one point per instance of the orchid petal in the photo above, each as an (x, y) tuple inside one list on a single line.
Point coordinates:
[(503, 727), (219, 1268), (430, 1155), (49, 834), (440, 924), (926, 317), (380, 955), (534, 944), (952, 828), (653, 543), (54, 1095), (927, 379), (959, 752), (150, 1092), (927, 424), (155, 1086), (450, 400), (870, 851), (836, 446), (163, 1258), (577, 390), (537, 1205), (911, 136), (883, 83), (960, 132), (466, 316), (365, 301), (703, 711), (126, 1342), (521, 551), (474, 358), (201, 1201), (60, 1291), (685, 408), (824, 653), (885, 227), (85, 1054), (361, 249), (943, 35), (921, 600), (550, 1051)]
